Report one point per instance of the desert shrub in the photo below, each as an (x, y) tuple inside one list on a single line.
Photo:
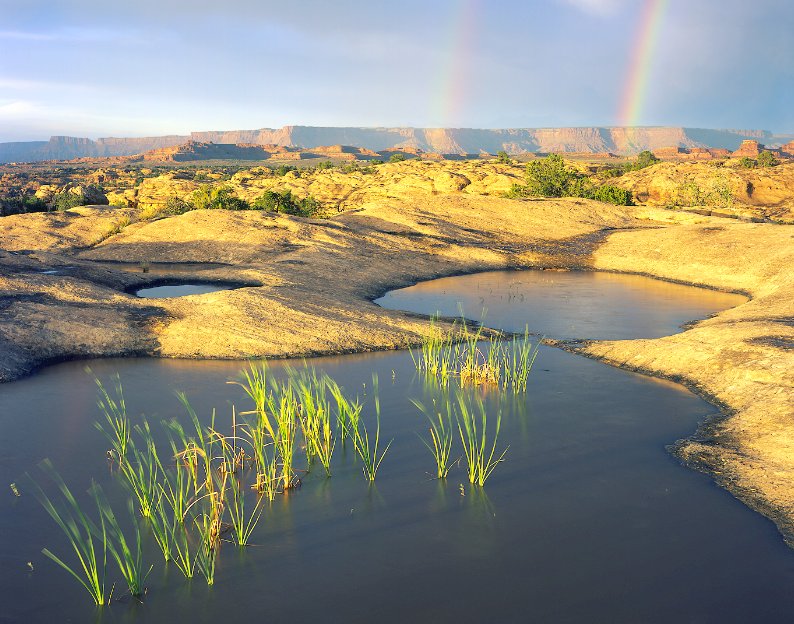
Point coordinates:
[(688, 194), (549, 177), (767, 159), (283, 170), (177, 206), (207, 197), (503, 158), (66, 200), (747, 163), (720, 195), (611, 171), (325, 164), (613, 195), (644, 159), (376, 161), (284, 201), (21, 204), (395, 158)]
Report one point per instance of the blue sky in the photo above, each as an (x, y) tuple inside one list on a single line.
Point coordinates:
[(149, 67)]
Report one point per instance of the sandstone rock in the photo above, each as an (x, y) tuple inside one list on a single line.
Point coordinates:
[(748, 149)]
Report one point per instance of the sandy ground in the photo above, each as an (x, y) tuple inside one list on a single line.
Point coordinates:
[(309, 287)]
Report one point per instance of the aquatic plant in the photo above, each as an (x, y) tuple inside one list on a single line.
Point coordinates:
[(479, 454), (89, 543), (242, 523), (440, 444), (118, 430), (348, 412), (141, 471), (369, 453), (314, 415), (286, 416), (128, 557), (458, 354), (517, 361)]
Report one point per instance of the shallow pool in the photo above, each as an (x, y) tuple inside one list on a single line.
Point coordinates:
[(589, 519)]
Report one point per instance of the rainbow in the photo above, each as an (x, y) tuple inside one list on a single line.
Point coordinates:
[(636, 87), (454, 67)]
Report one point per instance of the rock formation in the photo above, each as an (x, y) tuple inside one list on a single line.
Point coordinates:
[(438, 140)]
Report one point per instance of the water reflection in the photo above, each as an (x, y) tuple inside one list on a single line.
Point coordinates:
[(573, 304)]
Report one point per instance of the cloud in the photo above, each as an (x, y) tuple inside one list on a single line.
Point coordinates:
[(77, 35)]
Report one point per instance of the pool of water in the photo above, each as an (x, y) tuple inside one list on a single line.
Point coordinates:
[(565, 304), (588, 520), (181, 290)]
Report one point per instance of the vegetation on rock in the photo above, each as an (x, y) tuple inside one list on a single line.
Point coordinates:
[(550, 177)]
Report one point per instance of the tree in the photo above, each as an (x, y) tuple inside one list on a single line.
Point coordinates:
[(549, 177), (747, 163), (503, 158), (398, 157), (66, 200), (767, 159)]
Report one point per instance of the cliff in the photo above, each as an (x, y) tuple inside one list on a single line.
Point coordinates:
[(437, 140)]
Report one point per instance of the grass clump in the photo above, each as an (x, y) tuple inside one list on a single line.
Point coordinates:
[(369, 451), (458, 354), (89, 543), (479, 452), (440, 444)]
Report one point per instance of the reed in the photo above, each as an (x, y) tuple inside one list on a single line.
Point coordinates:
[(256, 387), (458, 354), (369, 453), (286, 417), (89, 543), (117, 429), (348, 412), (207, 549), (438, 353), (242, 523), (128, 557), (518, 365), (315, 417), (440, 444), (141, 471), (480, 454)]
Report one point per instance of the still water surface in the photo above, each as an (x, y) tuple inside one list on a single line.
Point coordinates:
[(588, 520)]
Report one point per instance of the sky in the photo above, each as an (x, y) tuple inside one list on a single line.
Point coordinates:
[(151, 67)]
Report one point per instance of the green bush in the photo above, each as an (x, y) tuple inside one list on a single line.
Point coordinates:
[(395, 158), (21, 204), (644, 159), (767, 159), (177, 206), (550, 177), (283, 170), (747, 163), (66, 200), (613, 195), (503, 158), (207, 197), (325, 164), (285, 202)]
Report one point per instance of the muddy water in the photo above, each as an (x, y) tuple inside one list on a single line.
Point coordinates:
[(588, 520)]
